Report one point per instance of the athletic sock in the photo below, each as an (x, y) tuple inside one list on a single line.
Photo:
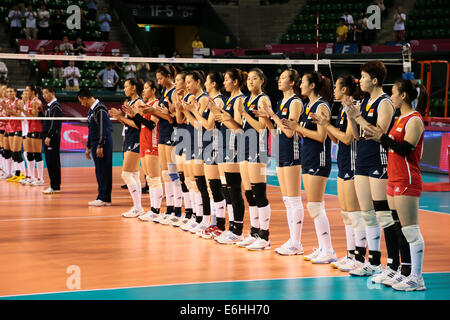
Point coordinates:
[(296, 216), (350, 236)]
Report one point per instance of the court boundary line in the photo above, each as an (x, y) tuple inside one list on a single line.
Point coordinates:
[(198, 283)]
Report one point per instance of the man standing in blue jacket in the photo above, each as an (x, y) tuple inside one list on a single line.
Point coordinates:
[(100, 144)]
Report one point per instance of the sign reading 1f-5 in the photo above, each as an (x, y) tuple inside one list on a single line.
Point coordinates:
[(163, 12)]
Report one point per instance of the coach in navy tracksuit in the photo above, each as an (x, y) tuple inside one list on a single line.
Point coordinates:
[(100, 144)]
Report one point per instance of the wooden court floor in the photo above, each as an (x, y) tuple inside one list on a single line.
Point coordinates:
[(41, 236)]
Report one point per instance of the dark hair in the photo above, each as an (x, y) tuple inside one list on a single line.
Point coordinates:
[(182, 74), (216, 77), (35, 89), (154, 85), (137, 83), (84, 93), (323, 86), (2, 82), (376, 69), (352, 85), (406, 86), (197, 75), (49, 88), (295, 77), (9, 86), (240, 76), (167, 71), (261, 75)]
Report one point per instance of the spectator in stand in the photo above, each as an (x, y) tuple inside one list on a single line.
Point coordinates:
[(66, 47), (348, 21), (360, 28), (3, 69), (79, 47), (105, 20), (42, 67), (143, 71), (341, 31), (197, 43), (117, 66), (380, 4), (130, 71), (72, 74), (92, 10), (399, 25), (84, 23), (15, 18), (43, 23), (108, 77), (30, 26), (58, 24), (57, 64)]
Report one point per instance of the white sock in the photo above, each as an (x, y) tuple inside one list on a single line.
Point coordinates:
[(373, 238), (157, 197), (297, 215), (9, 166), (31, 171), (264, 217), (206, 220), (213, 212), (230, 212), (417, 252), (360, 238), (40, 170), (133, 189), (350, 236), (192, 196), (187, 200), (323, 230), (177, 194), (254, 217), (198, 204), (139, 189), (169, 193), (220, 208)]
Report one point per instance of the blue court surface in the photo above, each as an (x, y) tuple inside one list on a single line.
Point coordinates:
[(315, 288)]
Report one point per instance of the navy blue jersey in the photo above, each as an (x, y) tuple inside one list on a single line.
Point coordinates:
[(198, 138), (369, 152), (132, 133), (165, 127), (315, 154), (288, 148), (229, 108), (346, 155)]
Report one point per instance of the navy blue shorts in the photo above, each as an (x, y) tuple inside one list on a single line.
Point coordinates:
[(281, 164), (317, 171), (131, 145), (378, 171), (227, 156), (346, 174)]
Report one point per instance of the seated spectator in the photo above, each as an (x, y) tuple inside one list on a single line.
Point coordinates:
[(79, 47), (71, 74), (92, 10), (130, 71), (197, 43), (399, 25), (57, 64), (108, 77), (3, 70), (66, 47), (15, 18), (43, 23), (341, 32), (58, 25), (30, 26), (105, 20), (42, 67)]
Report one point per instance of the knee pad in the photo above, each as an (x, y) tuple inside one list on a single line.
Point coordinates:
[(136, 177), (165, 176), (173, 171), (17, 157), (38, 156), (370, 218), (234, 185), (154, 183), (385, 219), (381, 205), (184, 188), (294, 202), (314, 209), (259, 191), (201, 184), (346, 217), (413, 235), (216, 190), (6, 154), (395, 216), (250, 196), (30, 156), (128, 177), (357, 221)]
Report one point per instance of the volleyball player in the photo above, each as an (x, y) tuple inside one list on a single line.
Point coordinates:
[(286, 148), (253, 158), (346, 86), (34, 137), (229, 119), (371, 172), (3, 162), (165, 76), (316, 160), (213, 86), (25, 141), (6, 140), (405, 145), (130, 169)]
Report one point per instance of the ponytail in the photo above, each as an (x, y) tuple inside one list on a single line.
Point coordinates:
[(416, 94), (323, 86)]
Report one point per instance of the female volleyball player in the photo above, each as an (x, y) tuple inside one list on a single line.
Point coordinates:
[(253, 158), (130, 169), (286, 148), (405, 145), (346, 86), (25, 141), (3, 169), (35, 109), (316, 160), (371, 173), (229, 119)]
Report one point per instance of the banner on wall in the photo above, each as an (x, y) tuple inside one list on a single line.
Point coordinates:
[(94, 48)]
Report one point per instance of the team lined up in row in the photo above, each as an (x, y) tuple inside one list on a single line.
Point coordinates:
[(208, 146)]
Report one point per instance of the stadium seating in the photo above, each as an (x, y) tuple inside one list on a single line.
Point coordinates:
[(430, 19)]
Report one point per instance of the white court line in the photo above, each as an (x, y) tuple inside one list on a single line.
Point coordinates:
[(57, 218), (192, 283)]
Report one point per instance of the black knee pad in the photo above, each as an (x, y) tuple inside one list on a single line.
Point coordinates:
[(17, 157), (182, 180), (203, 188), (381, 206), (201, 184), (250, 196), (38, 156), (226, 194), (30, 156), (7, 154), (234, 185), (216, 189), (395, 216), (259, 190)]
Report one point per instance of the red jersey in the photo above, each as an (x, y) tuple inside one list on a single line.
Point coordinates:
[(2, 114), (405, 169), (34, 125), (15, 125), (149, 138)]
